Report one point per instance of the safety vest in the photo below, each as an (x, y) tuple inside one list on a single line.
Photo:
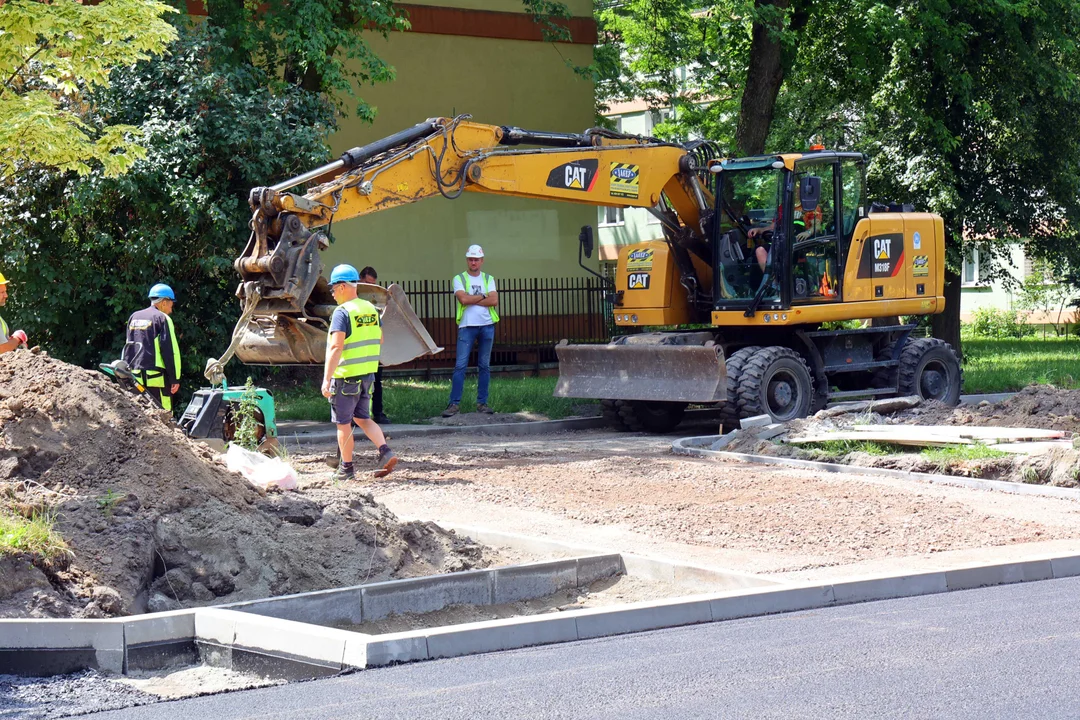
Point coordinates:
[(361, 353), (157, 379), (4, 337), (488, 283)]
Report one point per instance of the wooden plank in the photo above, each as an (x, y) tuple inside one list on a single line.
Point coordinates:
[(1033, 448), (977, 432)]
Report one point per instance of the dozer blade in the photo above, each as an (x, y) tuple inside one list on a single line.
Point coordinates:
[(283, 339), (672, 373)]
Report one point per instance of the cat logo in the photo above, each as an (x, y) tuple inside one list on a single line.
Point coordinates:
[(624, 180), (577, 175), (882, 246), (639, 281)]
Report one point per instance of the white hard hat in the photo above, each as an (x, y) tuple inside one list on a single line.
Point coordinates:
[(474, 251)]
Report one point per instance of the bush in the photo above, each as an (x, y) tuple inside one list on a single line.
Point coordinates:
[(1000, 324), (83, 251)]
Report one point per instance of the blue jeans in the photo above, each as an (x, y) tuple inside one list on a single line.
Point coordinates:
[(466, 337)]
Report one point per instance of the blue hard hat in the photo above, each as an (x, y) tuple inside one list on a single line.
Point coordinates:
[(344, 273), (161, 290)]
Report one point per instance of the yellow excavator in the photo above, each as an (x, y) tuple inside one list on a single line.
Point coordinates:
[(742, 304)]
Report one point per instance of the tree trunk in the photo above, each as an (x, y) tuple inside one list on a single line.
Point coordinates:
[(946, 326), (764, 76)]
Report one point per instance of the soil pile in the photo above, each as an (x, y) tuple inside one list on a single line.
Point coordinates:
[(1036, 406), (155, 521)]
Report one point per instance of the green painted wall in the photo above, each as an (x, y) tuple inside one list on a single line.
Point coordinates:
[(502, 82)]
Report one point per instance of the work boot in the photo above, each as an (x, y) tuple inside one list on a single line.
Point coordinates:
[(451, 410), (344, 473), (386, 462), (483, 408), (381, 419)]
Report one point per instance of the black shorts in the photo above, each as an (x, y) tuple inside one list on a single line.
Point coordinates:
[(350, 398)]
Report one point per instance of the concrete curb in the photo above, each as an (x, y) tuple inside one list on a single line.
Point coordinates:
[(686, 446), (287, 431), (246, 641), (650, 568)]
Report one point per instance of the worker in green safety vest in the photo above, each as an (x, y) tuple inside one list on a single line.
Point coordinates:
[(8, 340), (352, 357), (151, 348)]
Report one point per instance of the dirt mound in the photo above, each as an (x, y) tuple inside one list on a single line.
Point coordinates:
[(1040, 406), (155, 521)]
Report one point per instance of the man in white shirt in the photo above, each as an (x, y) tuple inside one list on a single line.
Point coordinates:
[(476, 318)]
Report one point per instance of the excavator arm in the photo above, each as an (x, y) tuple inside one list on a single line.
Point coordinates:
[(286, 300)]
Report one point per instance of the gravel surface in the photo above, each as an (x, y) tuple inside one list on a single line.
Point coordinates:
[(628, 492), (66, 695)]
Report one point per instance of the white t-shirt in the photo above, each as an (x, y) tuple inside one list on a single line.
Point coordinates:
[(475, 315)]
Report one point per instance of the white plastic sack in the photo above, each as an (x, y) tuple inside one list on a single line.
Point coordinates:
[(260, 470)]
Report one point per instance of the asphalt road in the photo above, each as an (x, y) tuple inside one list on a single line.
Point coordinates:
[(1004, 652)]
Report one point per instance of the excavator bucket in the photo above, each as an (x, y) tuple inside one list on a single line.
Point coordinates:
[(667, 373), (284, 339)]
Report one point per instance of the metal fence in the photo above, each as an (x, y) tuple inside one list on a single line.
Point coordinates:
[(534, 315)]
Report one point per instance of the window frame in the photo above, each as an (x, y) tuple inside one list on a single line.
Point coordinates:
[(620, 213)]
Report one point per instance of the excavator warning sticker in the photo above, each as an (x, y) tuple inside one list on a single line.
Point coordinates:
[(920, 266), (577, 175), (639, 281), (624, 180), (639, 260)]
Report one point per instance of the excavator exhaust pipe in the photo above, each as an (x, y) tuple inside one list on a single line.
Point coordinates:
[(284, 339), (665, 373)]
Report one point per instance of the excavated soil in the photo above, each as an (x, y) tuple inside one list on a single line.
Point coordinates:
[(155, 522), (1037, 406)]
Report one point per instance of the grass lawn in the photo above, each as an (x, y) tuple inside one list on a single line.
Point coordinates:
[(34, 536), (415, 401), (1006, 365)]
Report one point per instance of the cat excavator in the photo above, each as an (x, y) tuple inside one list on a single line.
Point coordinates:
[(749, 301)]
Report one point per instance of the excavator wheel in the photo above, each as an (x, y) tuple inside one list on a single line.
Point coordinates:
[(651, 416), (776, 381), (930, 369), (729, 411), (610, 410)]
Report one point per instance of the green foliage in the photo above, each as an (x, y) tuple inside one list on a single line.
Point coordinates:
[(417, 401), (317, 45), (35, 535), (990, 322), (842, 324), (834, 449), (1006, 365), (1045, 292), (82, 251), (246, 417), (108, 501), (953, 454), (51, 54)]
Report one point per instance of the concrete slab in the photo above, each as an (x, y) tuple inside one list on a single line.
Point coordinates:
[(292, 640), (159, 627), (1003, 574), (1065, 566), (105, 638), (598, 567), (884, 588), (533, 580), (495, 635), (365, 651), (769, 601), (342, 606), (427, 594), (638, 617)]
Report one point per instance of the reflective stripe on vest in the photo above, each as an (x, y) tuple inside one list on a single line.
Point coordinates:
[(158, 380), (361, 353), (4, 336), (486, 282)]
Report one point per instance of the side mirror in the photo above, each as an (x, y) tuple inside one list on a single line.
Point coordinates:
[(809, 192), (585, 237)]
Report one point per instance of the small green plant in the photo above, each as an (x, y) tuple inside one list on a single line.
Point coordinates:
[(999, 324), (246, 417), (839, 448), (1030, 475), (108, 501), (35, 535)]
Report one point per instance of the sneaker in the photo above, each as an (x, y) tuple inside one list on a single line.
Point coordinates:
[(450, 411), (343, 475), (381, 419), (386, 462), (483, 408)]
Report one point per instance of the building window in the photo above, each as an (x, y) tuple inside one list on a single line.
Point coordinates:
[(970, 272), (613, 216)]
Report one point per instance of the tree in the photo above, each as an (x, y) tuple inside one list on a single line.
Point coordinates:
[(85, 250), (51, 54)]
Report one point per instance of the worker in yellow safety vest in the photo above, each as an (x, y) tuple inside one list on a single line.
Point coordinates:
[(8, 340), (152, 351), (352, 357)]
